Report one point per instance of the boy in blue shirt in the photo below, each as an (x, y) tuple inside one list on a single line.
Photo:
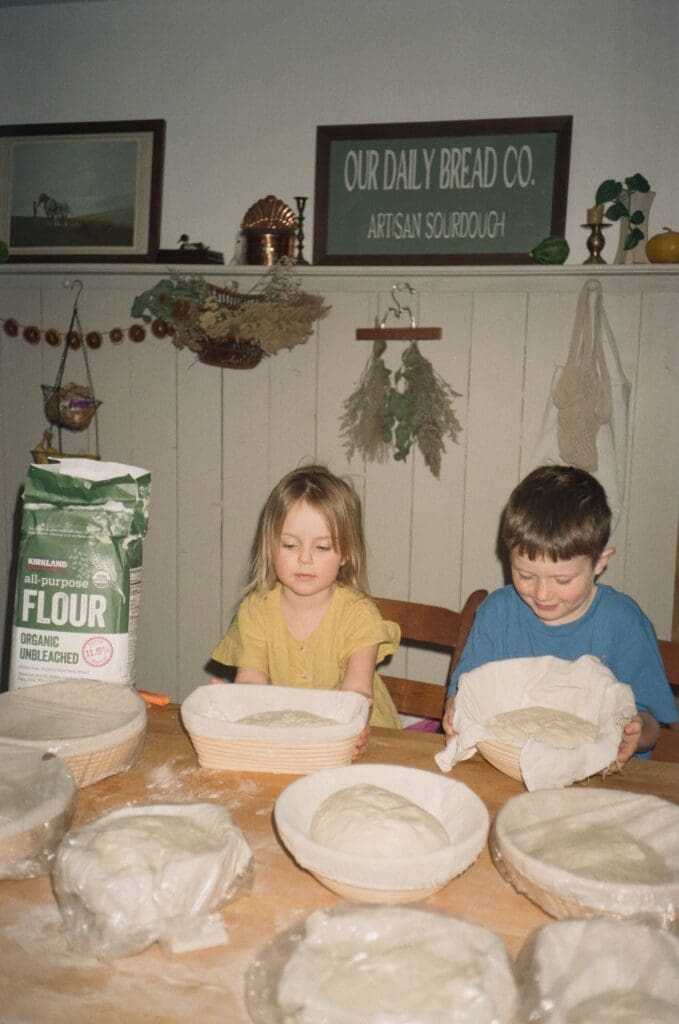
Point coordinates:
[(555, 530)]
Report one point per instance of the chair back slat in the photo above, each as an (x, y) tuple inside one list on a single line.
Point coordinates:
[(433, 627)]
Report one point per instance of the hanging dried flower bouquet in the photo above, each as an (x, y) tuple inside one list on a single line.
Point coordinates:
[(279, 314)]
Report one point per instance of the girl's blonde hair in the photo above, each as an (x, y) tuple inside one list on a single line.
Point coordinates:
[(340, 506)]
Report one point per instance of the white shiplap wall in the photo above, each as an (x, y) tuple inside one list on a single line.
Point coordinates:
[(216, 441)]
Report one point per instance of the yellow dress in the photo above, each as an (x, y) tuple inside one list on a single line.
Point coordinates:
[(259, 638)]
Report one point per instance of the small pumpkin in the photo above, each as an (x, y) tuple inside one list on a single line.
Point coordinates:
[(664, 248)]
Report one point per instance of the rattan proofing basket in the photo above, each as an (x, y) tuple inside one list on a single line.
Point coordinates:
[(211, 715), (37, 803), (384, 879), (96, 728), (503, 756), (565, 892)]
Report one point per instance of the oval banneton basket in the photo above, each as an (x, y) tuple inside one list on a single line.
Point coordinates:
[(384, 879), (211, 715), (37, 802), (527, 820), (97, 728)]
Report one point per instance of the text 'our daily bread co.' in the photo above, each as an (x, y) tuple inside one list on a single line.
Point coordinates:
[(456, 192), (79, 572)]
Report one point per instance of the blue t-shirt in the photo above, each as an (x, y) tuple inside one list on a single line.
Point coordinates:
[(614, 629)]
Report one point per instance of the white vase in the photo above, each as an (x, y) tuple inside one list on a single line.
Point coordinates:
[(640, 201)]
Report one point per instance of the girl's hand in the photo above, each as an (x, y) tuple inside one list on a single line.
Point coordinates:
[(362, 741), (447, 720)]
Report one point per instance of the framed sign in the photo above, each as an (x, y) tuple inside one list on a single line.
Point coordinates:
[(82, 192), (440, 192)]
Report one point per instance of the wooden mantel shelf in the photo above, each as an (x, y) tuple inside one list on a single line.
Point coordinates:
[(232, 270)]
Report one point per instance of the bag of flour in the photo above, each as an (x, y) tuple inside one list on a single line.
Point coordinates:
[(79, 572)]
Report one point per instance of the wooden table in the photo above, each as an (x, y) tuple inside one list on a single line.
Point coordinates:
[(41, 982)]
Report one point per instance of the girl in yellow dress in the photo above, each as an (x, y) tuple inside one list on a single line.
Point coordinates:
[(306, 619)]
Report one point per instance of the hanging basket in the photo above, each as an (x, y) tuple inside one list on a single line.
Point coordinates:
[(231, 353), (45, 450), (72, 406)]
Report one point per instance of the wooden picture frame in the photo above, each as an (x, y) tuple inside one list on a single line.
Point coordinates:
[(483, 192), (82, 192)]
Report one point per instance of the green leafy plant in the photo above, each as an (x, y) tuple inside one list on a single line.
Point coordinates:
[(417, 408), (620, 197)]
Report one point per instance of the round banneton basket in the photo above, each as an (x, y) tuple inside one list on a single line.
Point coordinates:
[(37, 802), (384, 879), (503, 756), (356, 965), (97, 728), (211, 715), (584, 689), (622, 853)]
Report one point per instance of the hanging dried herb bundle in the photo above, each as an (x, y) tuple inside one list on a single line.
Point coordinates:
[(363, 425), (423, 410), (416, 409)]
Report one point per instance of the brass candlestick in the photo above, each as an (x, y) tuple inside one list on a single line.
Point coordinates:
[(301, 203), (596, 241)]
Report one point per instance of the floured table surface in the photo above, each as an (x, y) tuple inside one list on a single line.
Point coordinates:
[(41, 982)]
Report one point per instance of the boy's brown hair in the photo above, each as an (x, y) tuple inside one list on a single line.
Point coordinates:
[(557, 512)]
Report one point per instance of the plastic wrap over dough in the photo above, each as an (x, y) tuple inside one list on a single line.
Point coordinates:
[(384, 965), (38, 797), (147, 873), (603, 851), (599, 972)]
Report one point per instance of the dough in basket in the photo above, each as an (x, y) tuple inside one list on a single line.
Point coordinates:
[(374, 822), (550, 725), (286, 717)]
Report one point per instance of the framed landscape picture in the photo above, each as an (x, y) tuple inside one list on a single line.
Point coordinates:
[(440, 192), (81, 192)]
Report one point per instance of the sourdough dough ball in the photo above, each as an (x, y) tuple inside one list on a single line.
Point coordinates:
[(286, 717), (623, 1007), (374, 822), (396, 965), (549, 725), (606, 853)]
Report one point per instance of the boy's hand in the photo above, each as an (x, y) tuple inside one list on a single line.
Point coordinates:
[(447, 720), (629, 742)]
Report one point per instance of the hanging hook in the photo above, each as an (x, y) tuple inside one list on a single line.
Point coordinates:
[(74, 284), (398, 309)]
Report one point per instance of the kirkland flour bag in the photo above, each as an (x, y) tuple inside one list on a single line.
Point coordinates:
[(79, 572)]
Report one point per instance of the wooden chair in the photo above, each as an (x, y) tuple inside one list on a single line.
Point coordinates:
[(435, 628), (667, 747)]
